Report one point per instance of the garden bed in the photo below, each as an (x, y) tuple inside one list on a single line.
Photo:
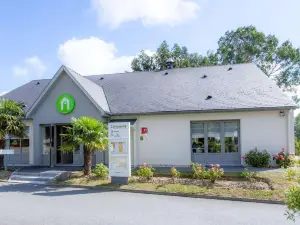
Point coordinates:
[(4, 175), (231, 183), (266, 186)]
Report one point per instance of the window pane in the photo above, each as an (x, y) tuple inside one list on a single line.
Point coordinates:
[(213, 137), (15, 145), (46, 140), (231, 136), (197, 137), (25, 145)]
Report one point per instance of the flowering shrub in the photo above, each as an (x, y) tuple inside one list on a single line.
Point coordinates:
[(175, 173), (198, 170), (283, 159), (257, 158), (145, 171), (214, 173), (101, 171)]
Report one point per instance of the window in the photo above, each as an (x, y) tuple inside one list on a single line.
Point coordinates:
[(19, 145), (198, 137), (231, 136), (47, 140), (215, 137)]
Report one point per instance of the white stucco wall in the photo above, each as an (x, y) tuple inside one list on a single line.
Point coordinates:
[(169, 140)]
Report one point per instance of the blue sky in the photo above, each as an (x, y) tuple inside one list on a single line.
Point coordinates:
[(102, 36)]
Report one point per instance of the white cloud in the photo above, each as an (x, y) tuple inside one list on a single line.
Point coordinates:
[(150, 12), (32, 67), (93, 56), (3, 93)]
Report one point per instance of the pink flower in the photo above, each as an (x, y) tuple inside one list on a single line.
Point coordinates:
[(283, 149), (217, 165), (213, 169), (244, 157), (292, 153), (211, 165), (282, 158), (276, 157), (208, 170)]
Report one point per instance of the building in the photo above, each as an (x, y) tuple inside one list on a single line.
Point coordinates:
[(206, 115)]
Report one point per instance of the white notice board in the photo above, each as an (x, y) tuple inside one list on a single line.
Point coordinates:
[(119, 149)]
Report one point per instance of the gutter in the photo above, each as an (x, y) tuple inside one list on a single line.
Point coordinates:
[(207, 111)]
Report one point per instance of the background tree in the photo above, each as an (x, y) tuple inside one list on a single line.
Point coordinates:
[(247, 44), (91, 133), (11, 121), (297, 126), (281, 62)]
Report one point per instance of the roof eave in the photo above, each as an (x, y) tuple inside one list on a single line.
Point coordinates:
[(207, 111)]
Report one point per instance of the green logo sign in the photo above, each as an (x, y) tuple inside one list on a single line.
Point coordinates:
[(65, 104)]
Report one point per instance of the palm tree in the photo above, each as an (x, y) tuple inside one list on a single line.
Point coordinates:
[(11, 121), (91, 133)]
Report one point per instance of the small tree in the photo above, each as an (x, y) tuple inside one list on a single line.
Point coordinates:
[(11, 121), (91, 133)]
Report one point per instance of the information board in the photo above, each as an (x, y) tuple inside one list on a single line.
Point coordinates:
[(119, 149)]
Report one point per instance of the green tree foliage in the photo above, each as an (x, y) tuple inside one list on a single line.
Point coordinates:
[(281, 62), (297, 126), (11, 119), (91, 133), (181, 56), (247, 44)]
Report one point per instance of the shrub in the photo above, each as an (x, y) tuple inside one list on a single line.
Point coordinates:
[(292, 195), (198, 170), (257, 158), (297, 146), (248, 175), (101, 171), (175, 173), (283, 159), (145, 171), (214, 173), (292, 199)]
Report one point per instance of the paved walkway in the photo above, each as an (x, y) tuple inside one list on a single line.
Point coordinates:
[(39, 205)]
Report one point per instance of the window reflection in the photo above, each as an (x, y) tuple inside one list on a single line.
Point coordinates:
[(214, 137)]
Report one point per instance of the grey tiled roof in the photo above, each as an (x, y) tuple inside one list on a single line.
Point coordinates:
[(245, 87), (95, 91)]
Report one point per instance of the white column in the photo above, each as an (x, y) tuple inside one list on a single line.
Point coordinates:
[(31, 143)]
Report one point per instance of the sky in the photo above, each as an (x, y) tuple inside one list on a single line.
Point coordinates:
[(103, 36)]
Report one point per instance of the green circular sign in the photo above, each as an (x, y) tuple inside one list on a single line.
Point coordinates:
[(65, 104)]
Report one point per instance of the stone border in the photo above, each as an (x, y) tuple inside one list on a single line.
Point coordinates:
[(171, 194)]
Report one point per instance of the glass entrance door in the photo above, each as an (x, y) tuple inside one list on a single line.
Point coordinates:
[(62, 157)]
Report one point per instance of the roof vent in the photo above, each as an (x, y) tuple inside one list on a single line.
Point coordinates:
[(101, 78), (208, 97), (37, 83), (230, 68), (204, 76), (166, 73), (170, 63)]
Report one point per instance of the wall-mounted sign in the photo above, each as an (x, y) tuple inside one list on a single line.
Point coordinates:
[(119, 149), (65, 104), (144, 130), (144, 134)]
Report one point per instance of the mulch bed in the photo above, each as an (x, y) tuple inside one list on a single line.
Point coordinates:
[(233, 184)]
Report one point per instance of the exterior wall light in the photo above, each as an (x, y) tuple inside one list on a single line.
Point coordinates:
[(281, 113)]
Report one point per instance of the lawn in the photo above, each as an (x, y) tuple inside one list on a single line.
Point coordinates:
[(275, 180)]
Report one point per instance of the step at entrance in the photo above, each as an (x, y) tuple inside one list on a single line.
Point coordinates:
[(44, 177)]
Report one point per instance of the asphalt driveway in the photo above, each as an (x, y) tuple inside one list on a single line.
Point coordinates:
[(33, 204)]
